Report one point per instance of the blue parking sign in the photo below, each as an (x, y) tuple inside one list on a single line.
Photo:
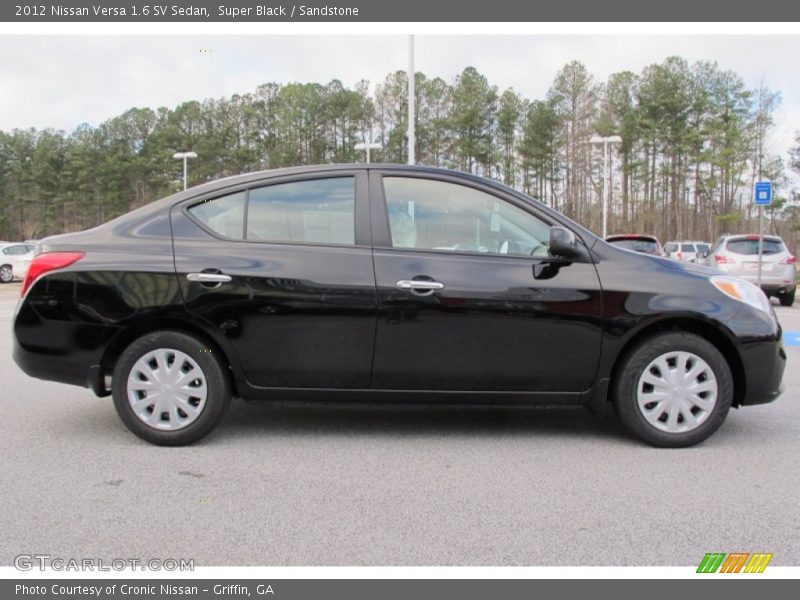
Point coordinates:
[(763, 193)]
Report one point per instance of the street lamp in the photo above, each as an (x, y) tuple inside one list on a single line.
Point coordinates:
[(184, 156), (411, 102), (605, 140), (368, 147)]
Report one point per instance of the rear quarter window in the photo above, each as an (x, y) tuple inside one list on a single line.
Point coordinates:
[(224, 215)]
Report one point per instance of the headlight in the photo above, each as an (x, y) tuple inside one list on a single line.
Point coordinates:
[(743, 291)]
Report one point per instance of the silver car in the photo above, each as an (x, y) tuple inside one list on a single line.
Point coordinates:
[(738, 255)]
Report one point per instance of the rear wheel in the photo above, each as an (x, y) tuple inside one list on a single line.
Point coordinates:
[(6, 274), (170, 388), (787, 298), (673, 390)]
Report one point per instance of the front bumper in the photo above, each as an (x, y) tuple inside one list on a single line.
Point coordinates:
[(764, 363)]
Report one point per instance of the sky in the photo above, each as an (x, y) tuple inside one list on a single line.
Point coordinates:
[(63, 81)]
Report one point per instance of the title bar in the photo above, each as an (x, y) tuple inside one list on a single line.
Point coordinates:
[(198, 11)]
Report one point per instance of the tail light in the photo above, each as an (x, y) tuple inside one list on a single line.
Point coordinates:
[(790, 260), (46, 262), (679, 256), (722, 259)]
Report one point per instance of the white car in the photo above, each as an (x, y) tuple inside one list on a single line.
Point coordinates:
[(686, 250), (10, 256)]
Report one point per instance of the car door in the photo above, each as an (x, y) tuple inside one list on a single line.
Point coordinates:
[(468, 298), (283, 270)]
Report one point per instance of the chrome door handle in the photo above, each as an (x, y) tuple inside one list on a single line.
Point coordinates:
[(416, 284), (208, 277)]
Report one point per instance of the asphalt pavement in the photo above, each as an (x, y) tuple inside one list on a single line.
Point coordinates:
[(319, 485)]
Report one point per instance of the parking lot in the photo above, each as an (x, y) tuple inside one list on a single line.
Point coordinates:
[(319, 485)]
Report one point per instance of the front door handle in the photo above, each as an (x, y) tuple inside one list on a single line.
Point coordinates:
[(419, 287), (209, 277)]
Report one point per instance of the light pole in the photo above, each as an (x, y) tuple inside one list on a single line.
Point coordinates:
[(368, 146), (605, 140), (411, 100), (184, 156)]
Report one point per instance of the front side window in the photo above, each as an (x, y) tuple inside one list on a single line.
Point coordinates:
[(316, 211), (427, 214)]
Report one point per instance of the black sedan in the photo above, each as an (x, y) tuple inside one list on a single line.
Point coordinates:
[(386, 283)]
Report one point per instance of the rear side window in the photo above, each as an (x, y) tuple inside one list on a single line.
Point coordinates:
[(687, 247), (224, 215), (702, 248), (16, 250), (316, 211), (749, 247)]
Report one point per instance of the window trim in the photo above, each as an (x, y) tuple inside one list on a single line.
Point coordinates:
[(380, 210), (360, 198)]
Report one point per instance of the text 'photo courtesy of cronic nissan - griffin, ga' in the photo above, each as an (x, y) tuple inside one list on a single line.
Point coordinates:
[(386, 284)]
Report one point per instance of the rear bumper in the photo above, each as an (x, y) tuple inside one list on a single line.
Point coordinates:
[(772, 283), (62, 351)]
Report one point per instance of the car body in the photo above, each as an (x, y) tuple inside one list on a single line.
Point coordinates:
[(637, 242), (10, 255), (386, 283), (738, 255), (20, 268), (686, 250)]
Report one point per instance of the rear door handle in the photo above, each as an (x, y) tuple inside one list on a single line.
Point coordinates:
[(209, 277), (419, 287)]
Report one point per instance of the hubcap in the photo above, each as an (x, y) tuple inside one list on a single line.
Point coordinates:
[(167, 389), (6, 274), (677, 392)]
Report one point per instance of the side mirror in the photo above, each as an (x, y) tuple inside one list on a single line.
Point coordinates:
[(703, 254), (563, 244)]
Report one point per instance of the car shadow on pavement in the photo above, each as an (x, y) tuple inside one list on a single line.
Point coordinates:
[(252, 418)]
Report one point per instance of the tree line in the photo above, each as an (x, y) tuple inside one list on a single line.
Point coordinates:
[(695, 138)]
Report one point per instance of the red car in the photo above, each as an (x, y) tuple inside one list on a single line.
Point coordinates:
[(646, 244)]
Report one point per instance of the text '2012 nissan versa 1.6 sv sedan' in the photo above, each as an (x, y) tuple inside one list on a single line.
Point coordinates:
[(388, 284)]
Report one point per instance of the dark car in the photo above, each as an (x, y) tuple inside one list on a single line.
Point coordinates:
[(386, 283), (646, 244)]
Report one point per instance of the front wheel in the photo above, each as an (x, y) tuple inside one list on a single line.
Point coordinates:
[(170, 388), (673, 390)]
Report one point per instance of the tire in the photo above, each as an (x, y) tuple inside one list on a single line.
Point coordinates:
[(6, 274), (682, 407), (787, 298), (184, 417)]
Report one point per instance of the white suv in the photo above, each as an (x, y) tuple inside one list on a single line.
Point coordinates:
[(686, 250)]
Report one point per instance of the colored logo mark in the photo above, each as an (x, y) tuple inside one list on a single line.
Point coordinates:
[(735, 562)]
